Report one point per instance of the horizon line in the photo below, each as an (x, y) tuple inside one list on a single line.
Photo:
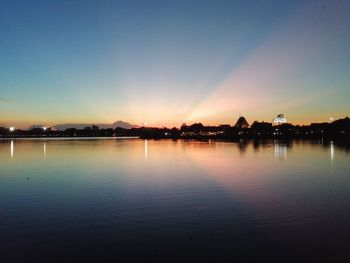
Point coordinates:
[(146, 125)]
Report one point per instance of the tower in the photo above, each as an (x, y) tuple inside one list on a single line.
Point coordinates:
[(241, 123)]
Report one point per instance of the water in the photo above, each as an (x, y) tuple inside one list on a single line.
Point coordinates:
[(128, 199)]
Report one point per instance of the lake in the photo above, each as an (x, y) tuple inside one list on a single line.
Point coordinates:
[(110, 200)]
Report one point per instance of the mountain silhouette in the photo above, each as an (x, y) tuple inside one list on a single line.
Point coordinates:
[(120, 124), (123, 124)]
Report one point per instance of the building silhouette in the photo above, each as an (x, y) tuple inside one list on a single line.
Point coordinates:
[(280, 119), (241, 123)]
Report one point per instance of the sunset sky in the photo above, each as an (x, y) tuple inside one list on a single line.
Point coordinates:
[(169, 62)]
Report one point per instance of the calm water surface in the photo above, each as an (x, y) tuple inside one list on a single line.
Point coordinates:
[(129, 199)]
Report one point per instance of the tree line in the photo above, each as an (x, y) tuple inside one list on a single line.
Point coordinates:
[(339, 129)]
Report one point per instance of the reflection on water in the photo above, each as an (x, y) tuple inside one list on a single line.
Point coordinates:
[(11, 149), (100, 201), (331, 145), (146, 149), (44, 150), (280, 150)]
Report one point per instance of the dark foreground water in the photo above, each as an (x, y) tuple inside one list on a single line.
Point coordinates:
[(125, 200)]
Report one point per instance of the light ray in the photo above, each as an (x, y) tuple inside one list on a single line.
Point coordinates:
[(260, 81)]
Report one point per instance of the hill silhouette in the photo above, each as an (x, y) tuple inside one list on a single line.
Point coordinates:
[(117, 124)]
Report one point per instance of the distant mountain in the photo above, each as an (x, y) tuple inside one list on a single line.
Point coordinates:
[(35, 126), (121, 124), (343, 124)]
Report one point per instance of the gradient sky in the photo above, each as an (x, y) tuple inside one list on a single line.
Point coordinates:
[(169, 62)]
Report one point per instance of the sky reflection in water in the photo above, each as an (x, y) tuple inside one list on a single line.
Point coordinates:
[(172, 199)]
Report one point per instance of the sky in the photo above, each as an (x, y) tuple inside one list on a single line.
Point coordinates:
[(171, 62)]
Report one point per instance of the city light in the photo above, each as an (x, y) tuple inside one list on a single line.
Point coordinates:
[(280, 119)]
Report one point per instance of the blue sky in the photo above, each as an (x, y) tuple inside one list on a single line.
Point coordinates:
[(169, 62)]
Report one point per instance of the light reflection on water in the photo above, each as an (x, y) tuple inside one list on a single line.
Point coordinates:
[(44, 149), (280, 150), (146, 149), (119, 197), (331, 146), (11, 149)]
